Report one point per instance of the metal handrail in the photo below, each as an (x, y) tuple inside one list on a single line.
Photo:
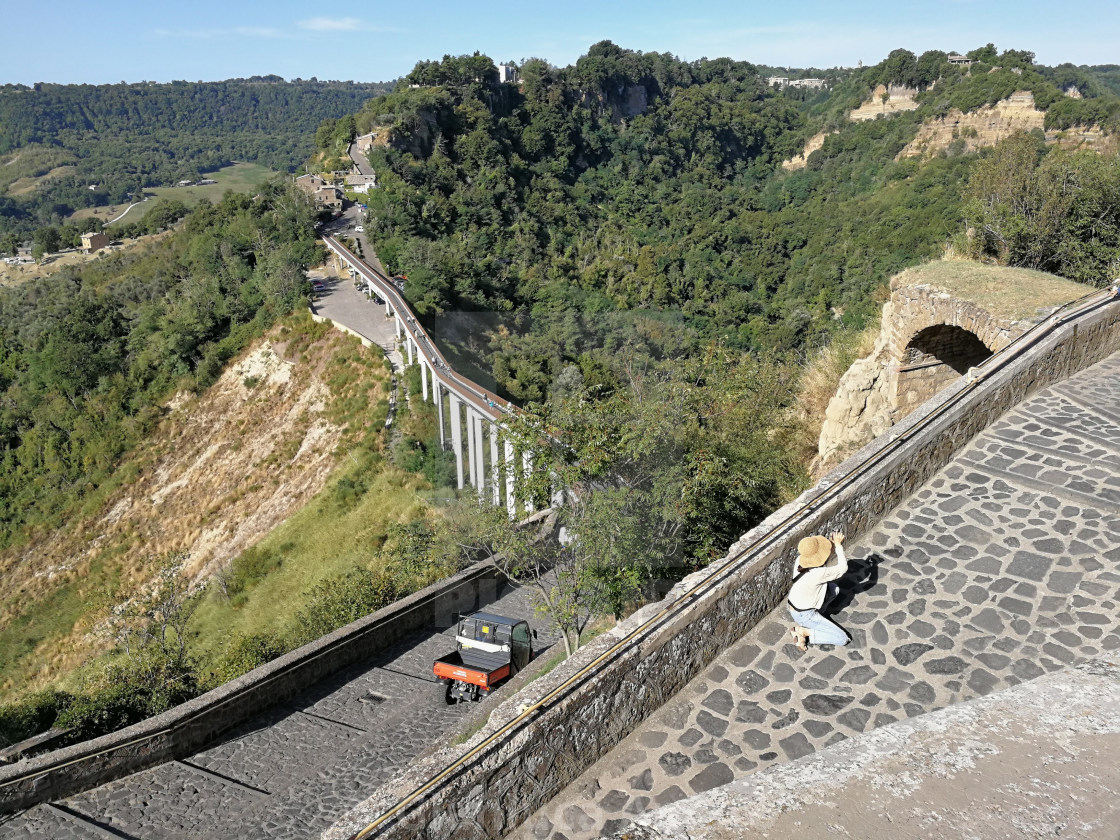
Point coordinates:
[(990, 365), (488, 401)]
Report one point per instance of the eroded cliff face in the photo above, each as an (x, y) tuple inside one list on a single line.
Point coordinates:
[(861, 409), (799, 161), (983, 127), (898, 99), (223, 469)]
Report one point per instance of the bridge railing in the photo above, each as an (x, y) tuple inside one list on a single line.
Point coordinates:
[(486, 457)]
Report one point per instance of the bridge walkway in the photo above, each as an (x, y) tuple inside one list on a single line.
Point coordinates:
[(1003, 567), (288, 773)]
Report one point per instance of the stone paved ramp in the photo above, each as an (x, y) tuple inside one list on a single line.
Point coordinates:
[(288, 773), (1004, 566)]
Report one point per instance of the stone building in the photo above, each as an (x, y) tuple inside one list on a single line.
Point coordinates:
[(92, 242)]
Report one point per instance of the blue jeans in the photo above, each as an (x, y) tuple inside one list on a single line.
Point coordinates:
[(821, 630)]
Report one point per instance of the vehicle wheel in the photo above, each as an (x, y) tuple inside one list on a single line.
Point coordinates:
[(443, 693)]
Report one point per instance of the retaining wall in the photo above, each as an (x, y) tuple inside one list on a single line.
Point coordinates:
[(187, 728), (542, 739)]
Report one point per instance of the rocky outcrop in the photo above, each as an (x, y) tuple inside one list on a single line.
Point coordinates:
[(929, 336), (897, 99), (860, 410), (799, 161), (983, 127)]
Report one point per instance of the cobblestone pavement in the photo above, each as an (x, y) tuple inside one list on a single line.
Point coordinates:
[(1004, 566), (291, 772)]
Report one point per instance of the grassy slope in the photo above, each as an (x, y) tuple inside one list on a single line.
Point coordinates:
[(212, 483), (1013, 293), (318, 542), (240, 177)]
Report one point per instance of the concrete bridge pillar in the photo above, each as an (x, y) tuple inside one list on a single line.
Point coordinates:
[(480, 459), (511, 495), (388, 309), (457, 440), (472, 447), (437, 389), (496, 485), (526, 471), (411, 357), (423, 379)]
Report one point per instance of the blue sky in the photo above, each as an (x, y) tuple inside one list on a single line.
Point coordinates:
[(374, 41)]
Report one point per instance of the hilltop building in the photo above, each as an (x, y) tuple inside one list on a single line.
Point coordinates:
[(785, 81), (328, 198), (365, 142), (93, 242), (960, 60), (508, 74)]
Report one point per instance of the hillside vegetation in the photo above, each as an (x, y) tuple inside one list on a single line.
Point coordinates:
[(57, 141), (637, 272)]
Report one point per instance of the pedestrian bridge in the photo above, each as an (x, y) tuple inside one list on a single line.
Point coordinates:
[(470, 417)]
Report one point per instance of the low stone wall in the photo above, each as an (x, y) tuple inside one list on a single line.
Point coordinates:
[(181, 731), (320, 319), (543, 738)]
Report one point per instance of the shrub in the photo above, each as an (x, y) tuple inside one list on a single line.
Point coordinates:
[(129, 690), (248, 569), (336, 602), (244, 653), (33, 714)]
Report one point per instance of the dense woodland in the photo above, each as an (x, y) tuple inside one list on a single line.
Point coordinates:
[(122, 138), (636, 199), (88, 355)]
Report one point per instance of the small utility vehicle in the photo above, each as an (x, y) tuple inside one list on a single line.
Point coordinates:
[(488, 650)]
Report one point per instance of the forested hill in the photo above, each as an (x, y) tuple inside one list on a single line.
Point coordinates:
[(631, 200), (637, 201), (120, 138), (58, 114)]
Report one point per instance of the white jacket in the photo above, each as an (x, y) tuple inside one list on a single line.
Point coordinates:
[(808, 591)]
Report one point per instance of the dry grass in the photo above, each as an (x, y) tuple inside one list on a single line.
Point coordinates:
[(1014, 293), (13, 275), (819, 380)]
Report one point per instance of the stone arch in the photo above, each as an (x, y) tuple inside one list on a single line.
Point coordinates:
[(929, 338), (934, 357)]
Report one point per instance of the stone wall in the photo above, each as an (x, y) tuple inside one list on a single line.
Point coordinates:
[(920, 324), (540, 740), (185, 729)]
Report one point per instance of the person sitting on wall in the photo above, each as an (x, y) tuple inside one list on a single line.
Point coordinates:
[(1114, 289), (813, 588)]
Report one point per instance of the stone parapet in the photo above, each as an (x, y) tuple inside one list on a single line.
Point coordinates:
[(185, 729), (538, 742)]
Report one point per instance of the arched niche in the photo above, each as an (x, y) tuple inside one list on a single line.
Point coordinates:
[(933, 358)]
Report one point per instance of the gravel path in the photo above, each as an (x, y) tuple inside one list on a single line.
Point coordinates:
[(1005, 566)]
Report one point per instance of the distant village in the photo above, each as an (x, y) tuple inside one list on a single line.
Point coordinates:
[(328, 189)]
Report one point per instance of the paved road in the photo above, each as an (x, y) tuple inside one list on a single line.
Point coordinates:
[(289, 773), (344, 304), (362, 162), (1005, 566)]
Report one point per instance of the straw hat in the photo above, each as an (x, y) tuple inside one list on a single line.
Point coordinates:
[(814, 551)]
